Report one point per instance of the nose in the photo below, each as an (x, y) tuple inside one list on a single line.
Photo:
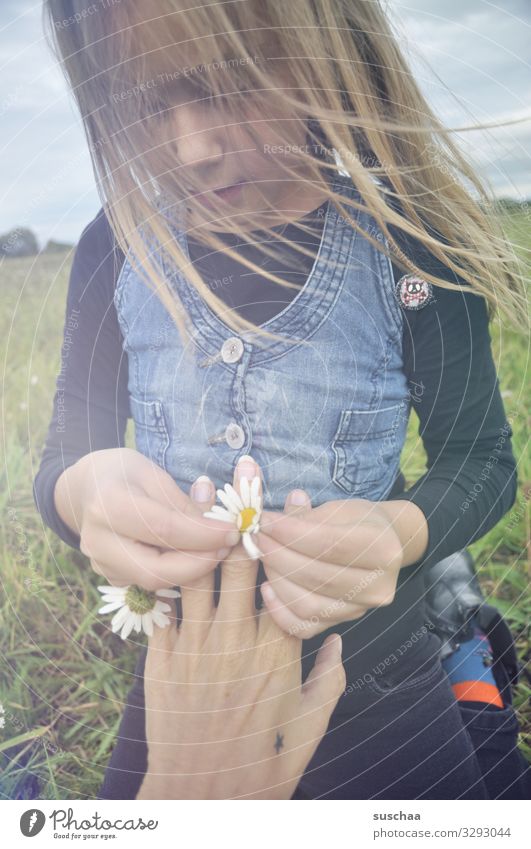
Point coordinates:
[(200, 138)]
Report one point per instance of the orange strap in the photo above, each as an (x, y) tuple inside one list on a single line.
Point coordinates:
[(477, 691)]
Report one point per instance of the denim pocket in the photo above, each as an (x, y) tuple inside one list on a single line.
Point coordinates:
[(395, 681), (151, 431), (366, 449)]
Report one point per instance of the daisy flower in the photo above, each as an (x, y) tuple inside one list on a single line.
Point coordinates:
[(137, 608), (242, 510)]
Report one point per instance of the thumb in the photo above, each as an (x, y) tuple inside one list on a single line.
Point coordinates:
[(297, 501), (327, 680)]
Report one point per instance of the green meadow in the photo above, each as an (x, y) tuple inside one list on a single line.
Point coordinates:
[(64, 676)]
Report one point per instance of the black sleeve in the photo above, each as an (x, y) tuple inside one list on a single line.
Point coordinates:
[(90, 405), (471, 477)]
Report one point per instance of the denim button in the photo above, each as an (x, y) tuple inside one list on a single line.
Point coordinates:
[(232, 350), (234, 435)]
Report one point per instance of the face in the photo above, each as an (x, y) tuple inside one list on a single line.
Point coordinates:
[(221, 154)]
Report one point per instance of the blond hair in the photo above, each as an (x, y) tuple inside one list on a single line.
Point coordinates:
[(349, 83)]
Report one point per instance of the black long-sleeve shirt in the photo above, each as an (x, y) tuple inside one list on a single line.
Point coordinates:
[(447, 360)]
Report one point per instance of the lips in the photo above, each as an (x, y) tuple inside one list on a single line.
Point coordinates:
[(228, 193)]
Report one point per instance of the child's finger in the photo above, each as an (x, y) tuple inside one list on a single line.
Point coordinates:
[(141, 518), (297, 501), (287, 621), (152, 568)]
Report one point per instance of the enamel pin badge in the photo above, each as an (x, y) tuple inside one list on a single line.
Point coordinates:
[(413, 292)]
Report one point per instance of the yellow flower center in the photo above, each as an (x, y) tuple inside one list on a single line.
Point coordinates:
[(245, 519), (139, 600)]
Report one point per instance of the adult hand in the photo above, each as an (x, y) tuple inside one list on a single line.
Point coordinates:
[(227, 716)]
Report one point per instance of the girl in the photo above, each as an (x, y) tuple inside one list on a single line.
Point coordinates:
[(292, 254)]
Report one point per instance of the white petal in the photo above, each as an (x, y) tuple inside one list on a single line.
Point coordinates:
[(229, 503), (113, 597), (138, 622), (255, 489), (159, 618), (232, 493), (147, 624), (113, 590), (245, 492), (128, 627), (119, 618), (168, 593), (162, 606), (252, 550), (113, 605), (217, 509), (223, 517)]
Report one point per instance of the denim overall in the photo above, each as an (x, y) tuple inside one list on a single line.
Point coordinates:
[(327, 414)]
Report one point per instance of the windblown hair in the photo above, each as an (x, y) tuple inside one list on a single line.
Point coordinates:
[(347, 81)]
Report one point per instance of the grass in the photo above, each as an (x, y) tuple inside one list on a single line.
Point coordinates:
[(63, 679)]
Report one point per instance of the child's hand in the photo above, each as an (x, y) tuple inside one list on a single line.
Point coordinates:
[(327, 564), (138, 527)]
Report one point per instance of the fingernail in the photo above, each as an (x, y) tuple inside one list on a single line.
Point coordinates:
[(246, 467), (297, 497), (232, 538), (202, 489), (222, 553)]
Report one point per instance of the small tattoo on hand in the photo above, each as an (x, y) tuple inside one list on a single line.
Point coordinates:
[(279, 742)]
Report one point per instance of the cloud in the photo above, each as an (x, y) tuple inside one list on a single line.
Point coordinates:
[(471, 58)]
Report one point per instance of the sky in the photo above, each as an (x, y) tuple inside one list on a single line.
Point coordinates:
[(472, 59)]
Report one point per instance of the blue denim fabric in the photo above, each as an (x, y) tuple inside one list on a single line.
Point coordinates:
[(325, 410)]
